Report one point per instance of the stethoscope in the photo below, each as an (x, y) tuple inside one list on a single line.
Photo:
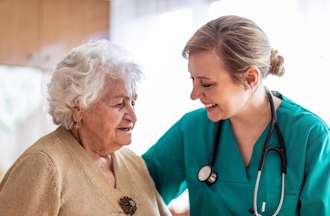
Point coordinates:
[(208, 175)]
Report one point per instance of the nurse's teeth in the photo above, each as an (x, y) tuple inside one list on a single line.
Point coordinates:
[(210, 105)]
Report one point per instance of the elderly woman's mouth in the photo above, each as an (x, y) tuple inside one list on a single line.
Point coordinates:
[(126, 129)]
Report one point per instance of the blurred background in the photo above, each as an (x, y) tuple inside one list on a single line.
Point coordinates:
[(36, 34)]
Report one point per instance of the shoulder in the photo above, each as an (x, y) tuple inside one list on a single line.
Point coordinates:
[(127, 154), (195, 118), (299, 118), (41, 150), (49, 153), (130, 159), (198, 114), (303, 130), (47, 144), (132, 165), (32, 166), (34, 160), (33, 175)]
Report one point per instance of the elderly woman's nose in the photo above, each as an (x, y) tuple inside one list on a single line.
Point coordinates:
[(130, 114)]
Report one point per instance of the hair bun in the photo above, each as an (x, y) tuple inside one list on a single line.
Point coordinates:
[(277, 63)]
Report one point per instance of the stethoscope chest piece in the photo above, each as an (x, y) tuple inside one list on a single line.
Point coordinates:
[(207, 174)]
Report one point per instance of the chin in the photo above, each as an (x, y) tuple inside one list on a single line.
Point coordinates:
[(215, 118), (126, 142)]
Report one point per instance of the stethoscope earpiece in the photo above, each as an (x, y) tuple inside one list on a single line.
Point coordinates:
[(207, 174)]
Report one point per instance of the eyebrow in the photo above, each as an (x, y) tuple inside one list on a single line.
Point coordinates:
[(202, 77), (126, 97)]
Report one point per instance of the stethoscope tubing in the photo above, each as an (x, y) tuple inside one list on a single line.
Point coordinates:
[(281, 152), (255, 194)]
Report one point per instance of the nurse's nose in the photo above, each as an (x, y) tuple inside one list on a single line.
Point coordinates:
[(195, 93)]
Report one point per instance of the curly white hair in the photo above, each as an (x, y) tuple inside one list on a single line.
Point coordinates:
[(80, 77)]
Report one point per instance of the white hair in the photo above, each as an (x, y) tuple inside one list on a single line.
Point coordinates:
[(80, 77)]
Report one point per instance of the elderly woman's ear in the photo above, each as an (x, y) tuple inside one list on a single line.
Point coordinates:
[(77, 115)]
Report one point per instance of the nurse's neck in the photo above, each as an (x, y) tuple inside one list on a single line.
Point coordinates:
[(256, 113), (250, 123)]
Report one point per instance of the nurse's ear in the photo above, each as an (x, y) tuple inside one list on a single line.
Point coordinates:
[(252, 77)]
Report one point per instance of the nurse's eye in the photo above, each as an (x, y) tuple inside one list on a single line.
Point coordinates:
[(133, 103), (207, 85)]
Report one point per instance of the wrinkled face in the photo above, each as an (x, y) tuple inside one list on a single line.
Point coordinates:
[(111, 119), (212, 85)]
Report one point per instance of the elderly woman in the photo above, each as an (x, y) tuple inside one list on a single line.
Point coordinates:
[(83, 168)]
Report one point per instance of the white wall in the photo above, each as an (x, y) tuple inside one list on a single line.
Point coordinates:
[(299, 31)]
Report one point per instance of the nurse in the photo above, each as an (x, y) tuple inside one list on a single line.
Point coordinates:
[(228, 59)]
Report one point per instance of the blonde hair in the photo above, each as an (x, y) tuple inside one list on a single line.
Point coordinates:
[(80, 77), (240, 43)]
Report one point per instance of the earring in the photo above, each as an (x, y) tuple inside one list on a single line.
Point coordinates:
[(77, 125), (76, 117)]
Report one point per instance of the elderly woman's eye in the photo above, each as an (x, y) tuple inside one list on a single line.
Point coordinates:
[(120, 105), (133, 102)]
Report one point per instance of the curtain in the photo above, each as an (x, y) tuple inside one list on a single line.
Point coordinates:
[(23, 111)]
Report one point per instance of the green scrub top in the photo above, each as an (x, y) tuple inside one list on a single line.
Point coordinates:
[(176, 158)]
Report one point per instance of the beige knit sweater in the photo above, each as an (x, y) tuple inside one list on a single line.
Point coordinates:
[(56, 176)]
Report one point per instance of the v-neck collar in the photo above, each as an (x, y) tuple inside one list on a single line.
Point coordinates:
[(92, 172), (232, 162)]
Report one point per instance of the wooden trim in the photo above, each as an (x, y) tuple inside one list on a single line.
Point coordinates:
[(38, 33)]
